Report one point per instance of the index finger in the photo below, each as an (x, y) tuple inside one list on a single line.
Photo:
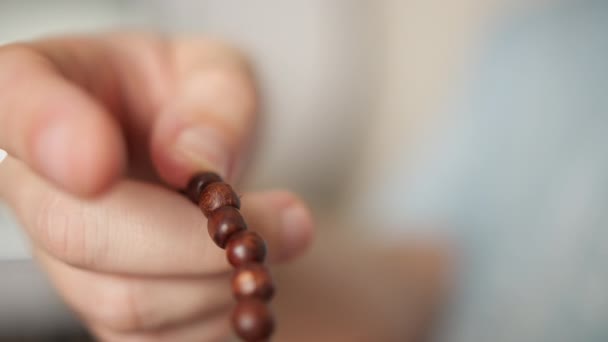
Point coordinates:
[(143, 229)]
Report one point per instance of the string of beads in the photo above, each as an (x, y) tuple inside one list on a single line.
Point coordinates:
[(252, 284)]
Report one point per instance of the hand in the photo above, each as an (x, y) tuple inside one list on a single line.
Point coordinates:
[(96, 127)]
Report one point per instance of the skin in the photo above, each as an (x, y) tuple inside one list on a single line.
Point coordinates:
[(99, 130)]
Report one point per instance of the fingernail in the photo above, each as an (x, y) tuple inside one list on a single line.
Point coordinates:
[(297, 230), (204, 147)]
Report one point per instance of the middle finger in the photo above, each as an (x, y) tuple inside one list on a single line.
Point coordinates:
[(129, 304), (143, 229)]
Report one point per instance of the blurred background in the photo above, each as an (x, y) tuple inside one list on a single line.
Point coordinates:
[(354, 93)]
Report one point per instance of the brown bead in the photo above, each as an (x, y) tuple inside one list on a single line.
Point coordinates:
[(252, 281), (223, 223), (217, 195), (199, 182), (244, 248), (252, 320)]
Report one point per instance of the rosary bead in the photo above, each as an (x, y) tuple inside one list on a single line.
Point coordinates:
[(252, 281), (223, 223), (199, 182), (246, 247), (217, 195), (252, 320)]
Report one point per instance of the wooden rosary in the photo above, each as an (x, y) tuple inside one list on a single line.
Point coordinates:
[(252, 284)]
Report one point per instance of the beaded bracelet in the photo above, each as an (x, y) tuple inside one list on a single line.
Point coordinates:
[(252, 283)]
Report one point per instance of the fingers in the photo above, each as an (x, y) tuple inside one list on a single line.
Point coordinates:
[(132, 304), (186, 105), (143, 229), (56, 127), (209, 121)]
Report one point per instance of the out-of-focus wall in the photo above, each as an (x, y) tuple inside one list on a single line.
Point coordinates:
[(34, 18), (425, 47), (424, 44)]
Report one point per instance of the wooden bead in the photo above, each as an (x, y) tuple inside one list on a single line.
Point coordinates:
[(223, 223), (252, 320), (252, 281), (244, 248), (217, 195), (199, 182)]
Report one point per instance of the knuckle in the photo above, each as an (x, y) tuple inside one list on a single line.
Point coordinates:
[(239, 86), (16, 51), (17, 60), (52, 227), (64, 230), (228, 96), (224, 66)]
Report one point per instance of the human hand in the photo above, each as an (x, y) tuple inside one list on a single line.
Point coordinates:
[(95, 128)]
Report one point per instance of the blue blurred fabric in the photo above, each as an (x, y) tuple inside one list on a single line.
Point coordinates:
[(520, 177)]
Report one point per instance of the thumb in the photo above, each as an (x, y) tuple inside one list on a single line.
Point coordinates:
[(208, 122)]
